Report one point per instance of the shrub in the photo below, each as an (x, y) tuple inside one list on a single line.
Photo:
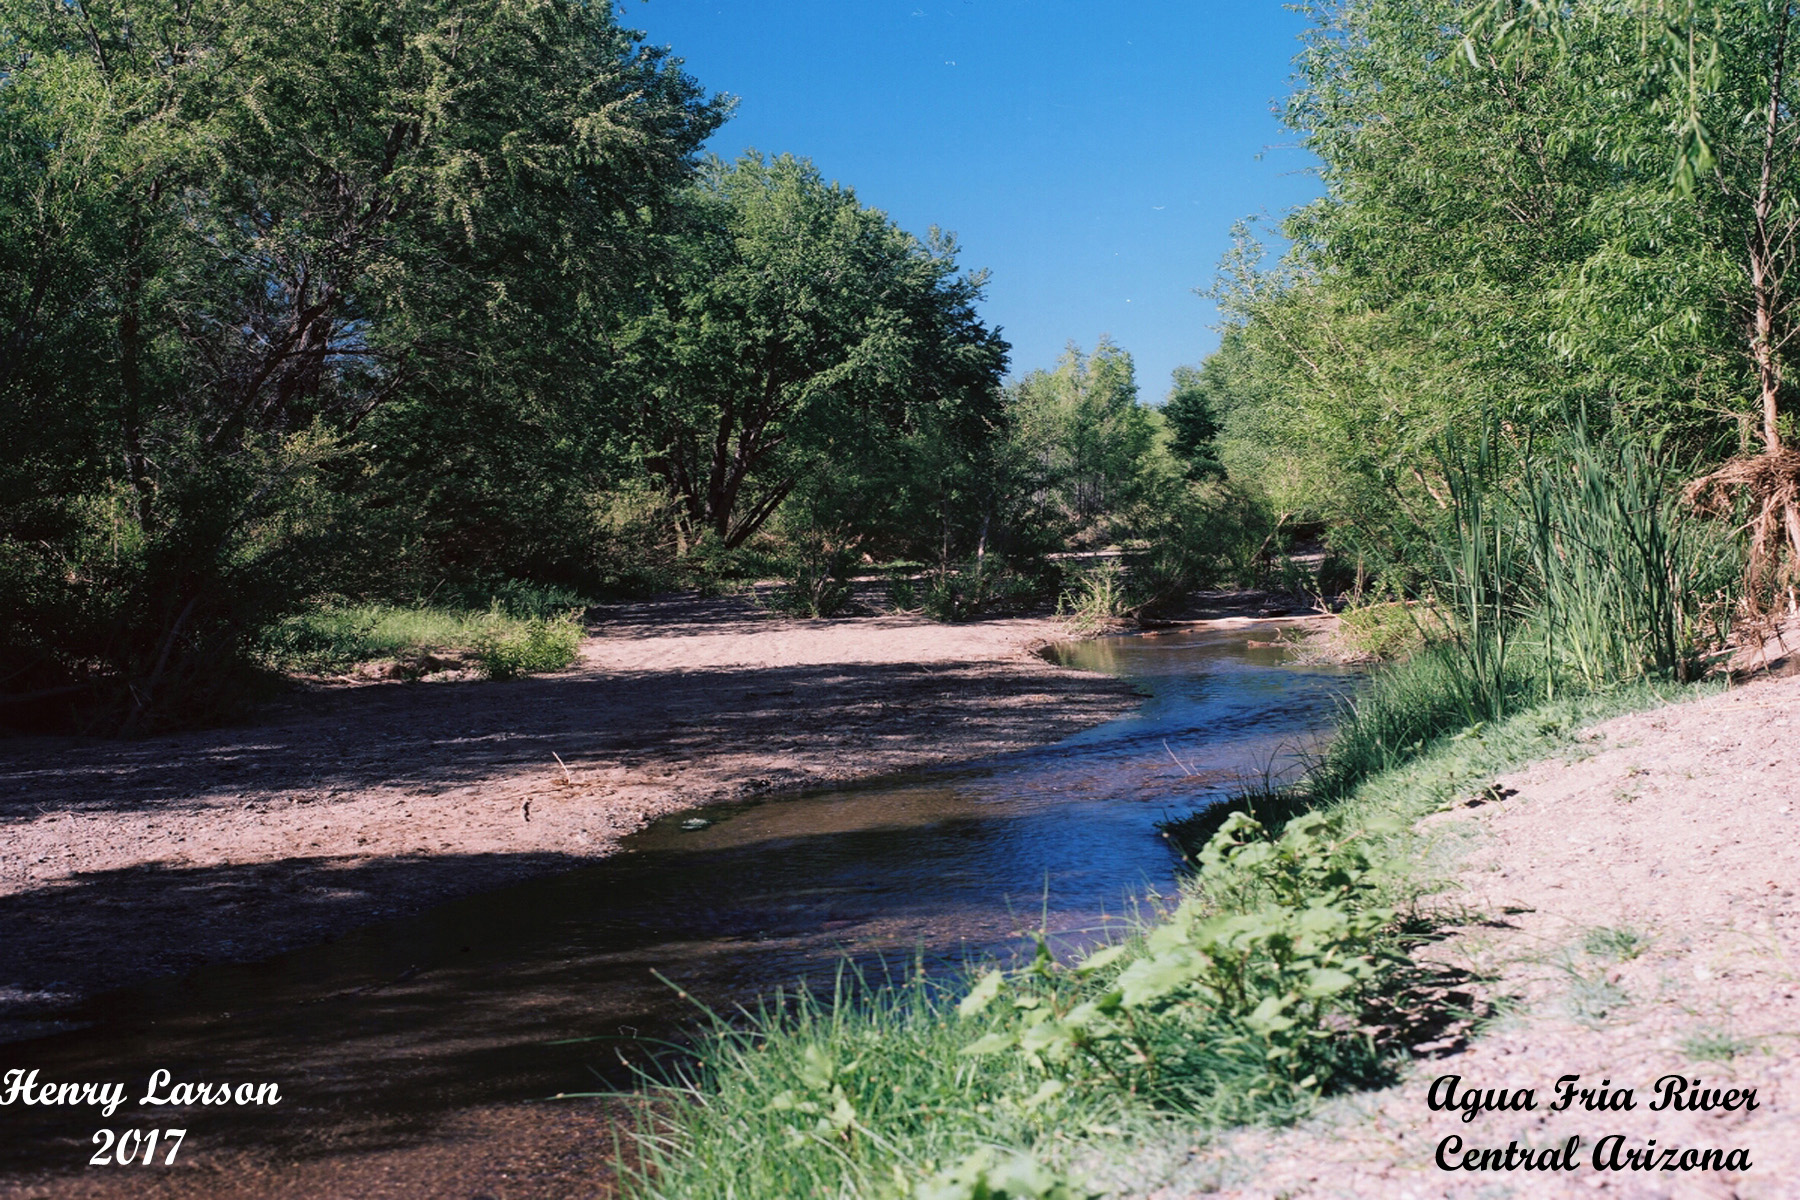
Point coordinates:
[(1380, 631), (506, 649), (986, 586), (817, 569), (1095, 599)]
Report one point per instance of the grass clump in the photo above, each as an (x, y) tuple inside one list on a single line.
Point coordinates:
[(1715, 1045), (987, 585), (519, 632), (865, 1092), (1095, 600), (1619, 943)]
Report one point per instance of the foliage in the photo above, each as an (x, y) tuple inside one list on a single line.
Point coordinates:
[(1623, 581), (1228, 1012), (819, 566), (1197, 401), (800, 331), (1094, 599), (987, 585), (1499, 238), (860, 1092), (1379, 631), (509, 649), (284, 293), (1709, 88), (1087, 453), (523, 630)]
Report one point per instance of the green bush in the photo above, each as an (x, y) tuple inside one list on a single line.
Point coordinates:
[(817, 570), (988, 586), (1230, 1010), (1380, 631), (507, 649)]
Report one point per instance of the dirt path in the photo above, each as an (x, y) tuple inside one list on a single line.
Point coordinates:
[(1640, 897), (122, 861)]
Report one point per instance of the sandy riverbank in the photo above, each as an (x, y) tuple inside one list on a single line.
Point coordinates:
[(1632, 906), (123, 861)]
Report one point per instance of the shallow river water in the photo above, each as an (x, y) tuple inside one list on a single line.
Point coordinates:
[(475, 1002)]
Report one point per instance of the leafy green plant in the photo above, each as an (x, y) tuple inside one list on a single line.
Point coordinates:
[(507, 650), (903, 593), (817, 570), (1380, 631), (986, 585), (990, 1174), (1095, 599), (860, 1091), (1242, 999)]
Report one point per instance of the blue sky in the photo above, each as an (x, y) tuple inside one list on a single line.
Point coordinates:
[(1092, 156)]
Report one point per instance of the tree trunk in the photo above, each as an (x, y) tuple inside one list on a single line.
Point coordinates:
[(1765, 276)]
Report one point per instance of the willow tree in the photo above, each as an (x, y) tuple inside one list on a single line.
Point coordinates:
[(1705, 87)]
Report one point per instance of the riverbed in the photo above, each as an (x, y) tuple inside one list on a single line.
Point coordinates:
[(563, 984)]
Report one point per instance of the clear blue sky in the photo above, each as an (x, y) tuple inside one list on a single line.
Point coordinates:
[(1092, 156)]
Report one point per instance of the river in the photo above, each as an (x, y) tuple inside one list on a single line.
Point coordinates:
[(548, 986)]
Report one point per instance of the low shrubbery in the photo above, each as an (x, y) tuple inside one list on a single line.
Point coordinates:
[(522, 630)]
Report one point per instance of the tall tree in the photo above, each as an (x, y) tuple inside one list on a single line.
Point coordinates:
[(1092, 451), (251, 228), (798, 338), (1704, 85)]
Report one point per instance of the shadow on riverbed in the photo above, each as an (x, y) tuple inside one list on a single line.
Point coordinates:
[(399, 1026), (434, 736), (400, 797), (464, 1006)]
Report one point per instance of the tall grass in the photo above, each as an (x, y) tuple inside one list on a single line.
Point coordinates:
[(1624, 583), (865, 1092)]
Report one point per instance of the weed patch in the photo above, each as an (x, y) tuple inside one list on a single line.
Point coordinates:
[(499, 643)]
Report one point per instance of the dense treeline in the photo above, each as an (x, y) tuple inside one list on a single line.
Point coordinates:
[(369, 302), (1543, 217), (372, 300)]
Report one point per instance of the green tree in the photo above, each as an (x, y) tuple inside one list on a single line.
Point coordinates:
[(1499, 236), (1704, 85), (242, 241), (1090, 453), (804, 343), (1198, 400)]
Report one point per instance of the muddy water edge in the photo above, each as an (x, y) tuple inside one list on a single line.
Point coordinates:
[(381, 1038)]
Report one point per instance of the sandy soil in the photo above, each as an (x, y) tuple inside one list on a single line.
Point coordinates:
[(122, 861), (1636, 911)]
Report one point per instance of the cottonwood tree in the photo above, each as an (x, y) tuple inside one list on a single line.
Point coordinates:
[(1090, 451)]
